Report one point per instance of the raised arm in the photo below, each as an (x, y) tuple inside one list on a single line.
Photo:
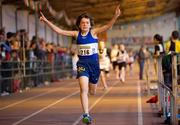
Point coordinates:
[(110, 23), (57, 29)]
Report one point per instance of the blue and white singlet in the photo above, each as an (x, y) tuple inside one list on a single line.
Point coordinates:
[(87, 47), (88, 64)]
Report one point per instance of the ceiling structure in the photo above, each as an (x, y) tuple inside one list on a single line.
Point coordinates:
[(102, 10)]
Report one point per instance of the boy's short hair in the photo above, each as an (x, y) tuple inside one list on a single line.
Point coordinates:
[(84, 15)]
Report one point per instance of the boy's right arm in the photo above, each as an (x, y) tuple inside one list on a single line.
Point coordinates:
[(57, 29)]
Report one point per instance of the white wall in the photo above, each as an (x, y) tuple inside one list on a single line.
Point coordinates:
[(25, 22), (8, 18), (22, 20), (41, 32), (48, 34), (163, 25), (31, 26)]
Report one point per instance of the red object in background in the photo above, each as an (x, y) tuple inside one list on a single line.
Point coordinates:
[(16, 85), (153, 99), (8, 56)]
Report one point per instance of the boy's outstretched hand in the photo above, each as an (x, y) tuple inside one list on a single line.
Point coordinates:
[(118, 11), (42, 17)]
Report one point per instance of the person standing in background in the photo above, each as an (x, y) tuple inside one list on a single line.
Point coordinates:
[(141, 61), (158, 49), (173, 45)]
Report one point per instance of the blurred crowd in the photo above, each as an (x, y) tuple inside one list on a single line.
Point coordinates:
[(21, 59)]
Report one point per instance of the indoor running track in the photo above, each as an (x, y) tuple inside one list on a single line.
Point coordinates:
[(59, 104)]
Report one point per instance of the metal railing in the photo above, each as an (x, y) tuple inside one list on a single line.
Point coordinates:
[(20, 74), (168, 87)]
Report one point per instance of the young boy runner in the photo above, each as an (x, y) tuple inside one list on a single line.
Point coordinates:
[(88, 64)]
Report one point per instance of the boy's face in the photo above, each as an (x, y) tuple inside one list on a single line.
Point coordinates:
[(85, 25)]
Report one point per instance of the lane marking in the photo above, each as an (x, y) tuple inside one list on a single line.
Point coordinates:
[(140, 116), (94, 104), (48, 106), (24, 100), (30, 98)]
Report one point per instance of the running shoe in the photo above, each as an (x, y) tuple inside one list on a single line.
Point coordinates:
[(87, 119)]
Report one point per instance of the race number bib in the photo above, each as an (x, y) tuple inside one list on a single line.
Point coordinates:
[(84, 50), (87, 49)]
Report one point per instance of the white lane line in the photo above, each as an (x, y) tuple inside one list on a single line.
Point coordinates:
[(24, 100), (94, 104), (30, 98), (140, 116), (50, 105)]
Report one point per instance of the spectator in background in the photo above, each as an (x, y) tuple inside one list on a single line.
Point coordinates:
[(141, 61), (6, 46), (33, 63), (6, 64), (50, 60), (42, 59), (16, 72), (173, 45), (42, 49), (158, 49)]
